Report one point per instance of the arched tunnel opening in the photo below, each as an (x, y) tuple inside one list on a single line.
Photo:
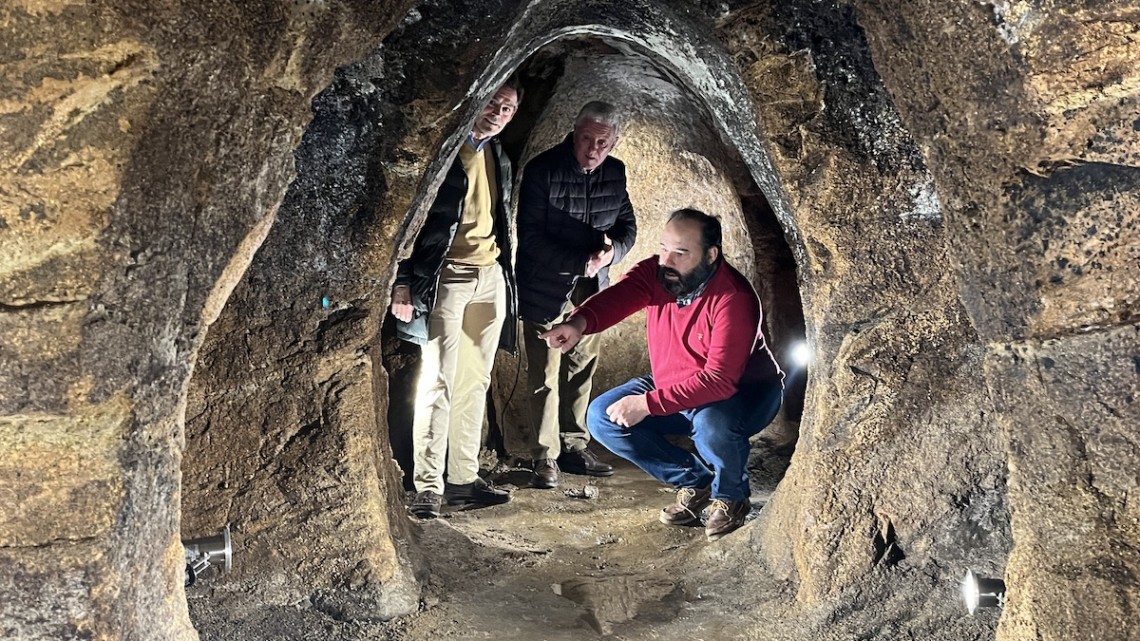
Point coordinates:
[(293, 411), (675, 159)]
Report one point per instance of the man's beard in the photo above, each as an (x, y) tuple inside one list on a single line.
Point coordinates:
[(684, 284)]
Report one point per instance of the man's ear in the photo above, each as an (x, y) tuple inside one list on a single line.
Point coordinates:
[(712, 254)]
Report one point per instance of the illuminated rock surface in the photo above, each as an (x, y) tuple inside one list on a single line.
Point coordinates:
[(200, 211)]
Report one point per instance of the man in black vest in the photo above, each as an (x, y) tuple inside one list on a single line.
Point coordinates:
[(574, 221), (455, 296)]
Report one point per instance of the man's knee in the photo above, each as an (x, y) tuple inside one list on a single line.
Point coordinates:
[(716, 426), (597, 421), (595, 410)]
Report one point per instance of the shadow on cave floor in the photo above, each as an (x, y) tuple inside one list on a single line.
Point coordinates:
[(546, 566)]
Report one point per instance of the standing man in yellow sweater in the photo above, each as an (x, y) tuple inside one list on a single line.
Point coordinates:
[(455, 296)]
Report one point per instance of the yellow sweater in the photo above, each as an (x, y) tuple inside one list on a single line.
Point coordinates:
[(474, 242)]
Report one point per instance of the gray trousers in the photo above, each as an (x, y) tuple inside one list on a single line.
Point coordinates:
[(560, 383)]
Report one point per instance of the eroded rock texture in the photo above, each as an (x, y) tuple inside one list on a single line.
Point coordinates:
[(308, 479), (1029, 123), (956, 182), (144, 152), (896, 385)]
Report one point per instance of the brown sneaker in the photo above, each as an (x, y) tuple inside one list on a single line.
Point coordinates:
[(545, 475), (725, 516), (687, 509)]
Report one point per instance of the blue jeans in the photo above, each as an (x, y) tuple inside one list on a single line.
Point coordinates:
[(719, 430)]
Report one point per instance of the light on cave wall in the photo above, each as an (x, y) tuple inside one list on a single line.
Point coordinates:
[(980, 592), (801, 354), (211, 551)]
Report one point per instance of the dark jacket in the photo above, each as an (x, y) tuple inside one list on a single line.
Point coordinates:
[(563, 215), (421, 270)]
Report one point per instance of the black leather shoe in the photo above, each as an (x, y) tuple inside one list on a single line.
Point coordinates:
[(426, 505), (478, 493), (545, 475), (584, 462)]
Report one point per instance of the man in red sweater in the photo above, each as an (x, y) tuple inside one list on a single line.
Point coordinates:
[(713, 377)]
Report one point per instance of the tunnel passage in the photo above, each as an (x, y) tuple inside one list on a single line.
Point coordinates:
[(288, 400), (674, 158), (961, 176)]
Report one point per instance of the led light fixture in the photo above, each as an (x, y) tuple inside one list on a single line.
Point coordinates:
[(211, 551), (801, 354), (979, 592)]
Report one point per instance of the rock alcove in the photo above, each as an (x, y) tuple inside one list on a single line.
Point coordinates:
[(675, 159), (222, 189)]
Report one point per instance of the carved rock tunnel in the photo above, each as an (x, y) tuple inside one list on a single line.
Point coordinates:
[(240, 454), (674, 157), (956, 184)]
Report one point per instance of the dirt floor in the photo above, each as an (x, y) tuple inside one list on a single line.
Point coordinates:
[(549, 565)]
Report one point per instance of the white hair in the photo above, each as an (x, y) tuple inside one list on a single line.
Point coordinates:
[(601, 112)]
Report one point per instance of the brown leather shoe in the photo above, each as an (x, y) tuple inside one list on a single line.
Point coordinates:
[(687, 508), (725, 516), (545, 475)]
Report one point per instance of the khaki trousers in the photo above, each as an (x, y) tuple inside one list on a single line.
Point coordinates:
[(560, 383), (451, 398)]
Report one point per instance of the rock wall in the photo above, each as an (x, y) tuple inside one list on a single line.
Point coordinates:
[(144, 151), (898, 478), (1028, 115), (957, 183), (283, 438)]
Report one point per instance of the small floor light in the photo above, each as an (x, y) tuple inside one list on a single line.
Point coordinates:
[(801, 354), (979, 592)]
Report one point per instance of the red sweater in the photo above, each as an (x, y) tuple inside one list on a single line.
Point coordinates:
[(700, 353)]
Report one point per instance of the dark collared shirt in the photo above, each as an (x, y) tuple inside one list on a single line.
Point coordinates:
[(687, 299)]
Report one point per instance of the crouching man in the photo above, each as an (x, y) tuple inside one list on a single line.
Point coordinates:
[(713, 377)]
